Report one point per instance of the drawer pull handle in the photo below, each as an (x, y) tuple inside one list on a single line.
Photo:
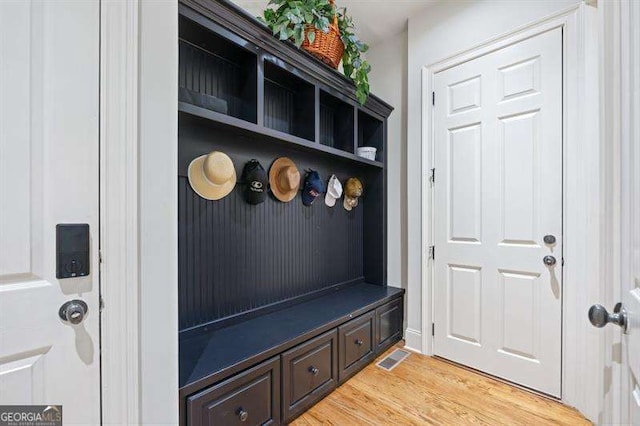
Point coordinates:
[(359, 342), (314, 370), (243, 415)]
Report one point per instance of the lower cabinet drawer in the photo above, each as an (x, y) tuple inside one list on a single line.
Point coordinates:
[(356, 345), (248, 398), (388, 324), (310, 371)]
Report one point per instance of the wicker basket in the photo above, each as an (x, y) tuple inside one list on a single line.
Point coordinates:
[(327, 47)]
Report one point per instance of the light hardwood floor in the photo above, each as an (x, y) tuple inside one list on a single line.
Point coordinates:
[(424, 390)]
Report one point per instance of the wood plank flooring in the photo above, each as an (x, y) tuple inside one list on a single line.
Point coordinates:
[(429, 391)]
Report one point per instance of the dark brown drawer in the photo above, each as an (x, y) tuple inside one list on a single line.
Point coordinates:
[(355, 345), (309, 372), (249, 398), (388, 324)]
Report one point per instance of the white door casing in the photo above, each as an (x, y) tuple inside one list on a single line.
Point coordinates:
[(498, 192), (49, 77), (139, 120), (630, 208)]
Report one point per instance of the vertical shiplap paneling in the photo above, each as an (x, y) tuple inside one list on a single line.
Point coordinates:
[(326, 126), (279, 103), (235, 257)]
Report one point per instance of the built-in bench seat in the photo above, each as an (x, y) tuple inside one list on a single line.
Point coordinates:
[(213, 356)]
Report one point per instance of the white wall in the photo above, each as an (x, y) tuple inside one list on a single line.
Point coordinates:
[(388, 80), (443, 30)]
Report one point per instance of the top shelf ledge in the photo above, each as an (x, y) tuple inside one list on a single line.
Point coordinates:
[(246, 127)]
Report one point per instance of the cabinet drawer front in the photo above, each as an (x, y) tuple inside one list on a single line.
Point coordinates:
[(309, 373), (356, 344), (388, 324), (248, 398)]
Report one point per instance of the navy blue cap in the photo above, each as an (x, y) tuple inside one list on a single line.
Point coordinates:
[(313, 187)]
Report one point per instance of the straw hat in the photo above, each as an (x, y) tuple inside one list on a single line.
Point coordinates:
[(284, 179), (212, 176)]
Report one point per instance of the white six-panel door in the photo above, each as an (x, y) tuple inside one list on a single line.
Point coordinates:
[(49, 76), (498, 193)]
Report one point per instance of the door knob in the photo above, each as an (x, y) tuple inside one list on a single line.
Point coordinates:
[(599, 316), (73, 311), (549, 260)]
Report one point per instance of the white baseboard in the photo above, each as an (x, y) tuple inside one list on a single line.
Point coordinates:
[(413, 340)]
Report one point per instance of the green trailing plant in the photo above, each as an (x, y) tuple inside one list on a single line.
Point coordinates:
[(288, 19), (353, 64)]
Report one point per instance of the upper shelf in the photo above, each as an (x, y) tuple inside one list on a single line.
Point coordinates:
[(247, 28), (246, 127), (229, 81)]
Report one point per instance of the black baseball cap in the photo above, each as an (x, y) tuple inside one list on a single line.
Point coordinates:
[(255, 182)]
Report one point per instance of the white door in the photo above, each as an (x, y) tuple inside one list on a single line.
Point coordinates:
[(49, 75), (498, 194)]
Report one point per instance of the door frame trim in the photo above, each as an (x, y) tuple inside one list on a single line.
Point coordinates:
[(138, 217), (119, 242), (581, 195), (621, 76)]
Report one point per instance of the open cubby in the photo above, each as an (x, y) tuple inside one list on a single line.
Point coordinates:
[(371, 133), (289, 102), (336, 122), (215, 73)]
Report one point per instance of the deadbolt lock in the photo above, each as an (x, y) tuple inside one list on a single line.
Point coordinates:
[(73, 311)]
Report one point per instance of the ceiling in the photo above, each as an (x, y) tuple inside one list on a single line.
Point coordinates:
[(375, 20)]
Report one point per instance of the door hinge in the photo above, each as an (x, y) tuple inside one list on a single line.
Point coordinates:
[(432, 252), (101, 303), (433, 98), (99, 256), (433, 329), (432, 177)]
